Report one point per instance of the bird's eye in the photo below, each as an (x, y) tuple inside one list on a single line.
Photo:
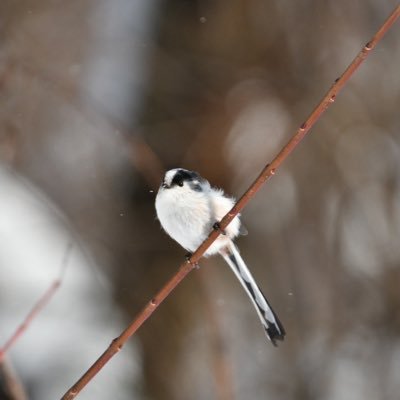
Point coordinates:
[(179, 179)]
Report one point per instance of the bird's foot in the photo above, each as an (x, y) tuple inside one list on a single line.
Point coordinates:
[(217, 227), (188, 257)]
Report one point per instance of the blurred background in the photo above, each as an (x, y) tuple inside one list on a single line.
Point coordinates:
[(99, 98)]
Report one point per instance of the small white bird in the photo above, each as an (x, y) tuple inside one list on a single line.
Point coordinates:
[(188, 208)]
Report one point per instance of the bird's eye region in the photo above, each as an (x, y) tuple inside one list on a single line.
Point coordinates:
[(183, 175)]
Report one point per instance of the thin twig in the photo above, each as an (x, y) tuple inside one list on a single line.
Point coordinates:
[(38, 307), (265, 174), (11, 382)]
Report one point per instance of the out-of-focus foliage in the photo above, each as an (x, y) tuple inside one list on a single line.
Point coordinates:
[(98, 98)]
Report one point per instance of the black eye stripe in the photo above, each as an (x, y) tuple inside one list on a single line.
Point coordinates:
[(183, 175)]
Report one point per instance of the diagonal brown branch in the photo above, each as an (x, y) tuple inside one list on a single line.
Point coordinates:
[(265, 174)]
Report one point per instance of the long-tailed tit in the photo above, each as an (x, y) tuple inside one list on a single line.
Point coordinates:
[(188, 208)]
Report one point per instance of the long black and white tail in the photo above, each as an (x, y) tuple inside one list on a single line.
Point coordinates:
[(273, 327)]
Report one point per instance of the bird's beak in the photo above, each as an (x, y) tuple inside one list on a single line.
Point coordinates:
[(164, 185)]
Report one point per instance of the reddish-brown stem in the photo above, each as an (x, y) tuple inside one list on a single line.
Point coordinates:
[(38, 307), (11, 382), (30, 317), (117, 343), (265, 174)]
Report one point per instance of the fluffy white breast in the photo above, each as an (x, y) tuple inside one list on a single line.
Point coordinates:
[(184, 215), (188, 215)]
